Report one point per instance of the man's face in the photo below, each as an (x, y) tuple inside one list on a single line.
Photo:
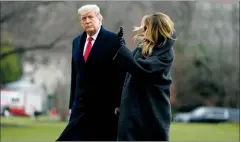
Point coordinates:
[(90, 22)]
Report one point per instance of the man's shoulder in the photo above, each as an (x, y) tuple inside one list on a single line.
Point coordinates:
[(77, 37), (110, 33)]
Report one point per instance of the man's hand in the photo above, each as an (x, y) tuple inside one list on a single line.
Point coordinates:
[(117, 111), (70, 111)]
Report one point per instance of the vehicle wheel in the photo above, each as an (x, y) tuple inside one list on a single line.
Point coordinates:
[(6, 113)]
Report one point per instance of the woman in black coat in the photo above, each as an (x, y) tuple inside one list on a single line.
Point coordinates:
[(145, 111)]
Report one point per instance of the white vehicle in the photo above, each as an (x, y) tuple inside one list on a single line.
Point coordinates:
[(24, 101), (6, 96)]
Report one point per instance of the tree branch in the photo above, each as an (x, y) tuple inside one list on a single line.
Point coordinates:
[(22, 49), (24, 9)]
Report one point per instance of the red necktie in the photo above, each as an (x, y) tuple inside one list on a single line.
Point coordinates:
[(88, 48)]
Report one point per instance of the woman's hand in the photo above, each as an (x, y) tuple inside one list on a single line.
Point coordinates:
[(120, 37), (121, 42)]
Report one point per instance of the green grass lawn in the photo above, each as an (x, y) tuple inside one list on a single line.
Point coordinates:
[(24, 129)]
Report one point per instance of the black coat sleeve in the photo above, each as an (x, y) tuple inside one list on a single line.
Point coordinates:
[(143, 66), (73, 80), (146, 67), (120, 78)]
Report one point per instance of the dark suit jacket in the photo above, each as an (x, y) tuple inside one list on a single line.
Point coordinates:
[(98, 82), (96, 87), (145, 111)]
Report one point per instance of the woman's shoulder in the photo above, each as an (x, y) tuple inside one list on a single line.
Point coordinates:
[(168, 42)]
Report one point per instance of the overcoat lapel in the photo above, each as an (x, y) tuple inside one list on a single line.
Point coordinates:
[(78, 47), (97, 45)]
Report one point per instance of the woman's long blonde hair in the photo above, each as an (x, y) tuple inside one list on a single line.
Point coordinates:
[(152, 26)]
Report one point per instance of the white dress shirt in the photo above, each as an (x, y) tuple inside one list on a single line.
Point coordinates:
[(93, 41)]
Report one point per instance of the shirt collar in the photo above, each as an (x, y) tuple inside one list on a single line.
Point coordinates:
[(95, 35)]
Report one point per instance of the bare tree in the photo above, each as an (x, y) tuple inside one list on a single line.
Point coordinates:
[(22, 49), (13, 10), (61, 101)]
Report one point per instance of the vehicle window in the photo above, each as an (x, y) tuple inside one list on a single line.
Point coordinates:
[(218, 111), (198, 111), (15, 100)]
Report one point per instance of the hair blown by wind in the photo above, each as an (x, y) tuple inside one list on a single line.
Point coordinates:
[(152, 27)]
